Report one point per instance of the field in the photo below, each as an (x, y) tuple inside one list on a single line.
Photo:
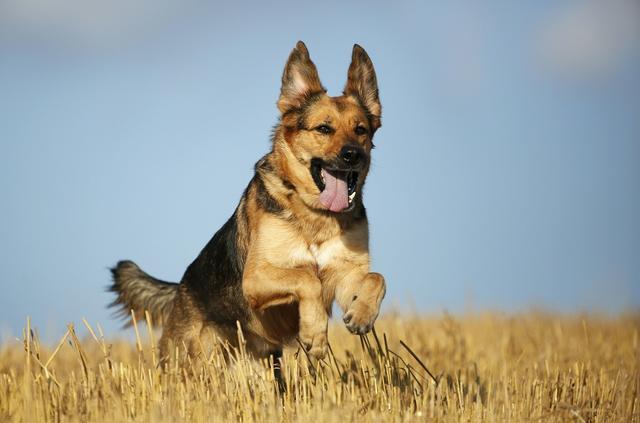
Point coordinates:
[(493, 367)]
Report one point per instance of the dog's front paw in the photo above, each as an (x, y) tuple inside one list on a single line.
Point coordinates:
[(360, 317), (314, 344)]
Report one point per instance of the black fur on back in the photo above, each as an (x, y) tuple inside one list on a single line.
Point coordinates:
[(215, 277)]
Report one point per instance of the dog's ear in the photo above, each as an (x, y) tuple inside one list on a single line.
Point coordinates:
[(299, 80), (362, 83)]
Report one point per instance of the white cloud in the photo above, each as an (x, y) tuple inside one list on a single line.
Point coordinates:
[(590, 37)]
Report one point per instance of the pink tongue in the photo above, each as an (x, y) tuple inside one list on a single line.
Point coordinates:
[(335, 196)]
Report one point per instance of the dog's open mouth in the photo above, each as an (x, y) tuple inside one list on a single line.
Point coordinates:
[(337, 187)]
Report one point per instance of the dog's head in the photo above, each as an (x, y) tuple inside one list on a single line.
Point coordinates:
[(325, 142)]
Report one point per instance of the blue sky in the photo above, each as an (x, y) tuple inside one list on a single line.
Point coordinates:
[(506, 174)]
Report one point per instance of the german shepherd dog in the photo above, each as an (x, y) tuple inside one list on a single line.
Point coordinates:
[(297, 241)]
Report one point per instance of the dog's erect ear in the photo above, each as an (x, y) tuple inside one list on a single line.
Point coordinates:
[(299, 79), (362, 83)]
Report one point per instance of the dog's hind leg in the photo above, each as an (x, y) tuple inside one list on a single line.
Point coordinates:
[(181, 334)]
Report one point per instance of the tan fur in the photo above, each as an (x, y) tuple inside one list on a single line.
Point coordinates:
[(312, 257), (296, 257)]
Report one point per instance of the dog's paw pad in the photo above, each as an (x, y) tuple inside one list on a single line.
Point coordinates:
[(360, 329), (359, 318)]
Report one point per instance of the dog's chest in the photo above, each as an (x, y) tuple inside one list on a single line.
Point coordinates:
[(318, 255), (283, 246), (326, 253)]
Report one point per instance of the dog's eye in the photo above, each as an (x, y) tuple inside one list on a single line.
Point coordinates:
[(324, 129), (360, 130)]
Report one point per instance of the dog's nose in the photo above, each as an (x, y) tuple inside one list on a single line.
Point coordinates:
[(351, 154)]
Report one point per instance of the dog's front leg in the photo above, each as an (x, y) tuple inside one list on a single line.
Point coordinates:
[(266, 286), (359, 295)]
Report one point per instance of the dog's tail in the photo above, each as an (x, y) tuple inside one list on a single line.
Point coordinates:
[(138, 291)]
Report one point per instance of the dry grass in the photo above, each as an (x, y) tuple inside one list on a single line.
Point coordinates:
[(530, 367)]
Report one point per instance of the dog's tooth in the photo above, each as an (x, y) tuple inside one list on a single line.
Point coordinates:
[(352, 196)]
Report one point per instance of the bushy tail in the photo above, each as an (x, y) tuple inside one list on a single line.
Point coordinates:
[(138, 291)]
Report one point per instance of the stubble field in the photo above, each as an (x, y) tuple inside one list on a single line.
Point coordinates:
[(493, 367)]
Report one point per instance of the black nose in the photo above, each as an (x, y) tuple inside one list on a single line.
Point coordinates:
[(351, 154)]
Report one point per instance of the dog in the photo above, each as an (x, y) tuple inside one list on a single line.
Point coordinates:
[(297, 241)]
